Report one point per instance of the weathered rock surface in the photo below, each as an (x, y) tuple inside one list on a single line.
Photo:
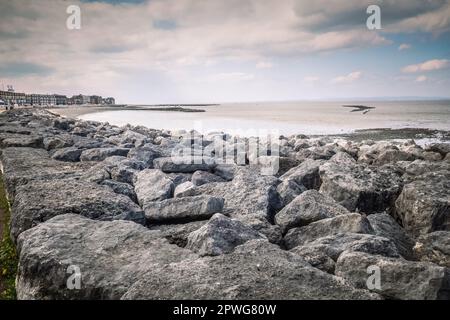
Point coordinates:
[(310, 206), (184, 189), (400, 279), (248, 194), (384, 225), (306, 174), (184, 164), (100, 154), (182, 209), (424, 204), (220, 236), (41, 200), (360, 188), (346, 223), (111, 256), (200, 178), (70, 154), (254, 270), (152, 185), (434, 247), (288, 190)]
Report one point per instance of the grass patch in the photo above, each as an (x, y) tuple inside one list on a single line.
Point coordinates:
[(8, 256)]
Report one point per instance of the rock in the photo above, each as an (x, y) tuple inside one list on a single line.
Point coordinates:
[(184, 164), (111, 256), (56, 142), (220, 236), (424, 205), (347, 223), (152, 185), (23, 142), (434, 247), (431, 156), (202, 177), (316, 258), (21, 165), (400, 279), (146, 154), (334, 245), (182, 209), (263, 226), (248, 193), (41, 200), (392, 156), (178, 233), (100, 154), (225, 171), (121, 188), (185, 189), (288, 190), (310, 206), (442, 148), (254, 270), (306, 174), (68, 154), (419, 167), (385, 226), (360, 188)]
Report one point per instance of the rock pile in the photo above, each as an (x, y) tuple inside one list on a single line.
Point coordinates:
[(140, 219)]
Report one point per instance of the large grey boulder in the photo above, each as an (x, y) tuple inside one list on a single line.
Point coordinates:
[(360, 188), (184, 189), (200, 178), (182, 209), (310, 206), (263, 226), (121, 188), (288, 190), (399, 278), (147, 153), (152, 185), (384, 225), (393, 156), (100, 154), (424, 204), (249, 193), (110, 256), (70, 154), (254, 270), (40, 200), (178, 233), (184, 164), (346, 223), (333, 246), (306, 174), (21, 165), (23, 141), (434, 247), (220, 236)]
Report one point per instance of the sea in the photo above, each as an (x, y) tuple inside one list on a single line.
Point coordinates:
[(287, 118)]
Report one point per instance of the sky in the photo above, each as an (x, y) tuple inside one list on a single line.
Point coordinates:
[(213, 51)]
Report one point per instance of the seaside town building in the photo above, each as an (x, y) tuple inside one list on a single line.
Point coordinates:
[(10, 97), (110, 100)]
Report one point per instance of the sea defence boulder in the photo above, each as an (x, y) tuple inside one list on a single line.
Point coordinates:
[(358, 187), (136, 223), (424, 204), (310, 206), (41, 200)]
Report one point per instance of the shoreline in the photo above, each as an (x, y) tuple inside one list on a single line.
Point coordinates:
[(355, 135)]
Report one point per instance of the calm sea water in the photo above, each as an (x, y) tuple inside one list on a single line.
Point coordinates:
[(290, 117)]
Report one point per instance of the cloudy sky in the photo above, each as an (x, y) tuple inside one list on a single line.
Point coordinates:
[(192, 51)]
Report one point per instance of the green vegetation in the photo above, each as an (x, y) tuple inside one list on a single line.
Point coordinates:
[(8, 256)]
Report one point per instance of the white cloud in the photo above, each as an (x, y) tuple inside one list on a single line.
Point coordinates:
[(311, 79), (264, 65), (404, 46), (421, 78), (349, 78), (232, 76), (430, 65)]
